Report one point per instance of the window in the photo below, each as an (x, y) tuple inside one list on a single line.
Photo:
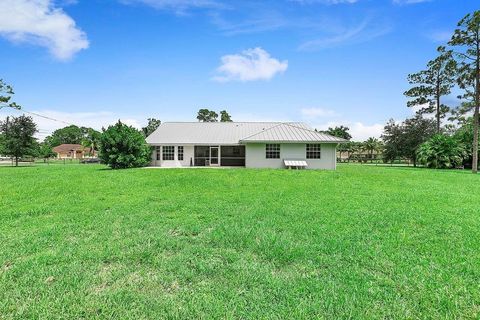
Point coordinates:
[(180, 153), (157, 149), (272, 151), (168, 153), (313, 151)]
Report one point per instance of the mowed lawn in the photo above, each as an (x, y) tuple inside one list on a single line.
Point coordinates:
[(85, 242)]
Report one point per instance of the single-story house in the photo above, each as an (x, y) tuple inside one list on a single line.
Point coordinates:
[(243, 144), (73, 151)]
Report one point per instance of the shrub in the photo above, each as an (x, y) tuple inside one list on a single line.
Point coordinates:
[(123, 146), (442, 152)]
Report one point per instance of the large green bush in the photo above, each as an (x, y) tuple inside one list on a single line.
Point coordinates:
[(123, 146), (442, 152)]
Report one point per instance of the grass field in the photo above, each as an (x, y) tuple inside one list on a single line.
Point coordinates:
[(84, 242)]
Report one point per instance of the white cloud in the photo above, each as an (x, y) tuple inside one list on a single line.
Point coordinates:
[(361, 33), (95, 120), (310, 113), (39, 22), (178, 6), (359, 131), (440, 36), (249, 65)]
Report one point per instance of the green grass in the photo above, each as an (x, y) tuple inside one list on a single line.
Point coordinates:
[(83, 242)]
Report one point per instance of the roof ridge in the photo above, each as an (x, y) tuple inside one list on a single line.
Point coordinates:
[(252, 135)]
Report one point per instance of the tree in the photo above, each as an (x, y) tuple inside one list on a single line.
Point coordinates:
[(372, 145), (205, 115), (340, 132), (6, 93), (466, 43), (402, 140), (18, 137), (151, 126), (441, 152), (464, 135), (92, 140), (71, 135), (432, 84), (224, 116), (44, 151), (123, 146)]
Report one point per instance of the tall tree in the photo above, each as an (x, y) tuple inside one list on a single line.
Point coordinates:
[(18, 137), (71, 135), (224, 116), (205, 115), (92, 140), (6, 93), (432, 84), (339, 131), (151, 126), (466, 44)]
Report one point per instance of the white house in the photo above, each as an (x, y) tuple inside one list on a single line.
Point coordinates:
[(243, 144)]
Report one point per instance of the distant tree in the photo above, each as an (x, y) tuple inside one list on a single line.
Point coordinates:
[(92, 140), (44, 151), (432, 84), (18, 137), (6, 93), (340, 132), (151, 126), (70, 135), (402, 140), (466, 44), (224, 116), (464, 135), (205, 115), (372, 145), (123, 146), (441, 152)]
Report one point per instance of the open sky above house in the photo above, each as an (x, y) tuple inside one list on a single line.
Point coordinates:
[(324, 62)]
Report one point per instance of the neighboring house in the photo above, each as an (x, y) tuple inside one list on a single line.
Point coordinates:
[(243, 144), (73, 151)]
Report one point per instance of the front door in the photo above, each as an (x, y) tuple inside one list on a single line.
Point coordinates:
[(214, 156)]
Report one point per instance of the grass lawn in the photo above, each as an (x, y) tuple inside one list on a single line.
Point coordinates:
[(83, 242)]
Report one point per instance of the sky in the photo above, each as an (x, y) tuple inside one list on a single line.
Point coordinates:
[(323, 62)]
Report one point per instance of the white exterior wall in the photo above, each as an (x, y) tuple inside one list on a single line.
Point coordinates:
[(188, 153), (255, 156)]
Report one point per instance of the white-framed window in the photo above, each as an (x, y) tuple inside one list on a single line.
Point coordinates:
[(168, 152), (180, 153), (272, 151), (313, 151), (157, 150)]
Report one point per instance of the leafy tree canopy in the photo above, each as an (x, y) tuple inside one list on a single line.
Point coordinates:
[(441, 152), (6, 94), (18, 140), (151, 126), (224, 116), (70, 134), (340, 132), (123, 146), (206, 115)]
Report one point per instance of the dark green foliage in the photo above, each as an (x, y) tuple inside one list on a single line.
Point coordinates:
[(432, 84), (466, 44), (92, 140), (6, 93), (372, 145), (44, 151), (123, 146), (205, 115), (340, 132), (151, 126), (71, 135), (224, 116), (401, 140), (442, 152), (18, 140)]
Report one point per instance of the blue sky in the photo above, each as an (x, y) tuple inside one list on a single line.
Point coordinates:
[(325, 62)]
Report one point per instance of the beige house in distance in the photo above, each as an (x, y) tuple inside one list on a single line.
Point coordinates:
[(72, 151), (242, 144)]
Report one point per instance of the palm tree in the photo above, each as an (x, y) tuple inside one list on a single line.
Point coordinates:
[(91, 140), (371, 145)]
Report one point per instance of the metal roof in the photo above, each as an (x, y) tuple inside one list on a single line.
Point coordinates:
[(228, 133)]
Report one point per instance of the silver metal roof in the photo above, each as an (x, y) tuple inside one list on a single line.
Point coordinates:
[(231, 133)]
